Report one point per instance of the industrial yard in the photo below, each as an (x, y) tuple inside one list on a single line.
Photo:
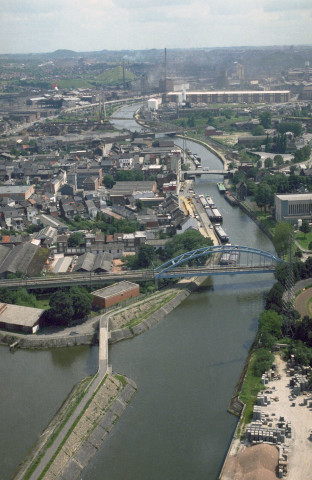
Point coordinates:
[(269, 459)]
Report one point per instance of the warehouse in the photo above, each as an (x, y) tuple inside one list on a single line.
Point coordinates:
[(17, 192), (91, 262), (237, 96), (108, 296), (15, 317)]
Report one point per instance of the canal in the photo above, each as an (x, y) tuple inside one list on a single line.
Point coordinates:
[(186, 369)]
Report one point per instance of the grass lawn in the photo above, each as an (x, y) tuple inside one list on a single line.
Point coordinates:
[(43, 303), (304, 239)]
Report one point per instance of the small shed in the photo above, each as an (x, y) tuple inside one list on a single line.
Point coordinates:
[(108, 296)]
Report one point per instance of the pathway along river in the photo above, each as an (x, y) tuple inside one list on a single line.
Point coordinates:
[(186, 369)]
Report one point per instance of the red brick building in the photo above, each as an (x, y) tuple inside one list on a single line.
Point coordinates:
[(108, 296)]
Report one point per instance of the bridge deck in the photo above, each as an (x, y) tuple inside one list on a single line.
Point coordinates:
[(201, 171)]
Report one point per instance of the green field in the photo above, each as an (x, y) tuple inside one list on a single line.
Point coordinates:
[(112, 76)]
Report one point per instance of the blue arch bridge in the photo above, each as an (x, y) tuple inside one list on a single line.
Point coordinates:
[(218, 260), (215, 260)]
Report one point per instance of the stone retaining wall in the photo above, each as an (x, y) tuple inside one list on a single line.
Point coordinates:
[(33, 342)]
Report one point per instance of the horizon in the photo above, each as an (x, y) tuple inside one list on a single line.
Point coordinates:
[(116, 25), (281, 46)]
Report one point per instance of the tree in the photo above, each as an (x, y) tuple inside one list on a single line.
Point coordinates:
[(268, 162), (81, 301), (258, 130), (75, 239), (108, 181), (294, 127), (278, 160), (139, 205), (146, 255), (305, 227), (280, 143), (282, 237), (262, 361), (265, 118), (274, 298), (61, 311), (264, 195), (302, 155), (271, 323), (310, 246), (185, 242)]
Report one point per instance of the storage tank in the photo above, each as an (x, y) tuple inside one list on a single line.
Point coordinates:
[(152, 104)]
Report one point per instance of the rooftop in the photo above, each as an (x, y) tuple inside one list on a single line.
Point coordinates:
[(115, 289), (14, 189), (295, 197), (18, 315)]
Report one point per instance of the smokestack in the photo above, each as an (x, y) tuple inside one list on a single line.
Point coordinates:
[(165, 71)]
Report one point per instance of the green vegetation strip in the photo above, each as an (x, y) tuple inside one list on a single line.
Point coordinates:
[(250, 389)]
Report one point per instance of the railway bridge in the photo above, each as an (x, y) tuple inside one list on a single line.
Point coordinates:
[(212, 260)]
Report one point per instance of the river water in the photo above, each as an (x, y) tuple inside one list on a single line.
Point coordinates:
[(186, 368)]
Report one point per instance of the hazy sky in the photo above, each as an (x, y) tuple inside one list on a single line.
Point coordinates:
[(85, 25)]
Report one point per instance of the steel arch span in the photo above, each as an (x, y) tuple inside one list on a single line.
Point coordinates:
[(223, 259)]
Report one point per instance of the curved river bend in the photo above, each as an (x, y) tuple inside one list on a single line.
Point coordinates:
[(186, 369)]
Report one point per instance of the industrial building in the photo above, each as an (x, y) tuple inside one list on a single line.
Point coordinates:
[(17, 192), (108, 296), (16, 317), (237, 96), (91, 262), (26, 259), (291, 208)]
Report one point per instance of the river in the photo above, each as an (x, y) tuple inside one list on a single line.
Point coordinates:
[(186, 369)]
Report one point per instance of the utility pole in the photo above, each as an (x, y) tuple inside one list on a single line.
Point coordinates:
[(288, 302)]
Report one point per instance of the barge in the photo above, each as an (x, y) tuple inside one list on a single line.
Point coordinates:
[(217, 217), (221, 187), (221, 233), (229, 258), (229, 198)]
